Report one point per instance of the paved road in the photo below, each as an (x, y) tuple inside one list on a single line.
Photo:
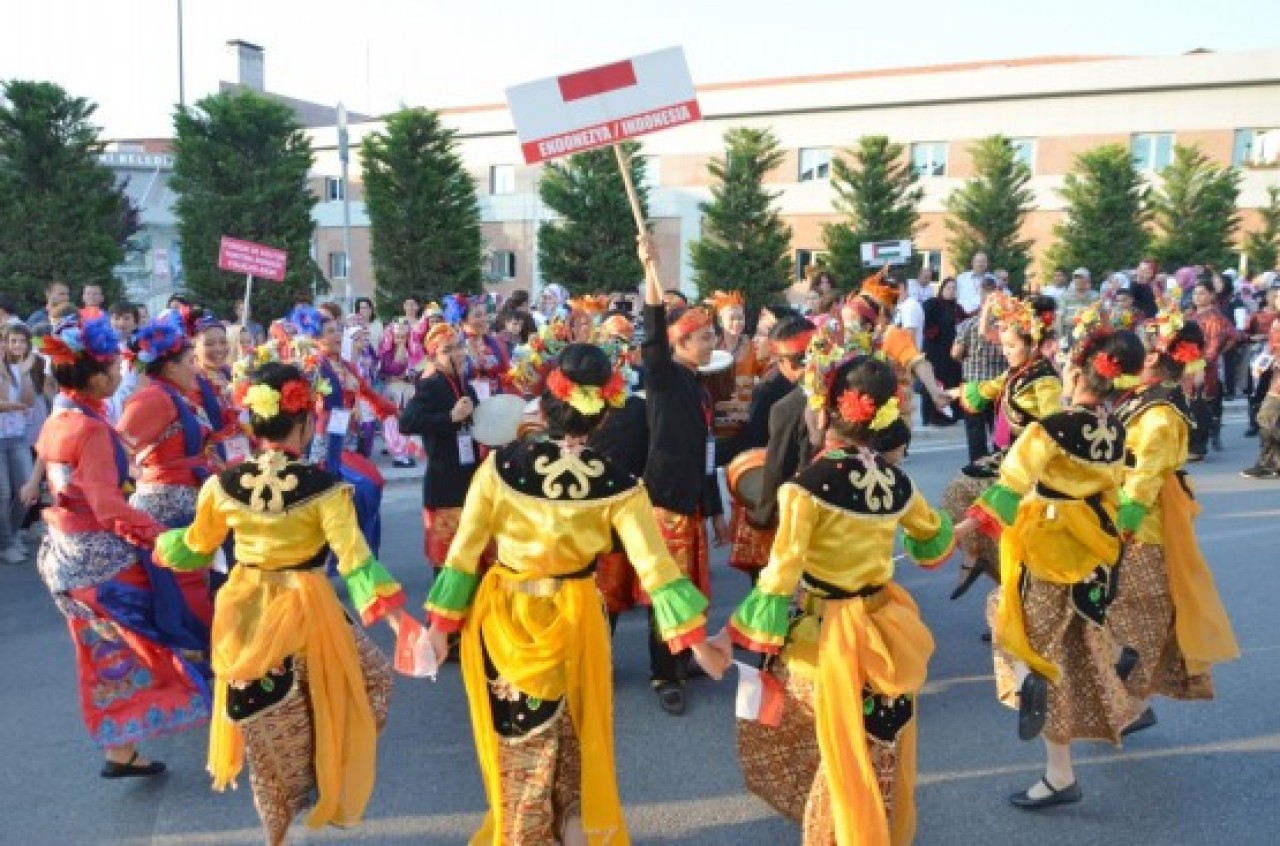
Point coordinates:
[(1206, 774)]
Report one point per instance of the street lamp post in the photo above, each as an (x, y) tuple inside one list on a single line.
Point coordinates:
[(182, 76), (344, 157)]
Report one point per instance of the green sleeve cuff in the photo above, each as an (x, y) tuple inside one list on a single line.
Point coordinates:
[(373, 590), (931, 551), (1001, 501), (971, 398), (1131, 513), (677, 607), (452, 592), (171, 551), (761, 621)]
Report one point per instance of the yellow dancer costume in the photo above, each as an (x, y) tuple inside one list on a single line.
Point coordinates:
[(1169, 610), (1054, 509), (297, 686), (536, 639), (857, 656)]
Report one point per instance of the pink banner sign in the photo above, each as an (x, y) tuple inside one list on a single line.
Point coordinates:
[(257, 260)]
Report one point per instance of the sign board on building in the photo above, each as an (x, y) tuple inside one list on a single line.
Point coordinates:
[(562, 115), (880, 253), (257, 260)]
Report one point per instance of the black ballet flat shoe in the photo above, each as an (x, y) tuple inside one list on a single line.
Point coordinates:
[(671, 697), (1128, 660), (1033, 706), (986, 637), (1066, 796), (1145, 720), (112, 769)]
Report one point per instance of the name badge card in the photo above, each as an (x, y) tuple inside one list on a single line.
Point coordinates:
[(237, 449), (339, 421), (711, 456), (466, 449)]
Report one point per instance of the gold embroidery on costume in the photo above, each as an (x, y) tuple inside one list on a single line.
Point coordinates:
[(271, 481), (876, 486), (503, 690), (580, 470), (1101, 439)]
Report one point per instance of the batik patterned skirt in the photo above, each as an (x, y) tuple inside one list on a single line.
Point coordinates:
[(685, 536), (957, 498), (439, 527), (175, 507), (275, 718), (1142, 619), (138, 679), (1089, 702), (750, 547)]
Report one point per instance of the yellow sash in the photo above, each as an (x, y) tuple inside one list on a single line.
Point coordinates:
[(879, 641), (262, 618), (1059, 541), (547, 647), (1200, 621)]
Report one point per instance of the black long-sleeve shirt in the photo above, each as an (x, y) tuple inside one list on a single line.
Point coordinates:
[(789, 450), (446, 481), (679, 426)]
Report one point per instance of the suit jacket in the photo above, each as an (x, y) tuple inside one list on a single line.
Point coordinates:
[(446, 481), (755, 433), (789, 451), (677, 406)]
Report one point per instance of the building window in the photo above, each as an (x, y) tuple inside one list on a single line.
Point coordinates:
[(1024, 150), (652, 172), (932, 259), (502, 179), (502, 265), (806, 258), (1256, 148), (929, 159), (1152, 151), (333, 188), (815, 164), (337, 265)]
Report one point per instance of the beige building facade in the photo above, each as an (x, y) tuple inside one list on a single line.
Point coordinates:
[(1052, 107)]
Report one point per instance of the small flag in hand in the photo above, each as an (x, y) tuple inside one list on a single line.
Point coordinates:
[(414, 656), (760, 696)]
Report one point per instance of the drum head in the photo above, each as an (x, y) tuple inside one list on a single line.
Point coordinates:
[(720, 360), (745, 475), (496, 420)]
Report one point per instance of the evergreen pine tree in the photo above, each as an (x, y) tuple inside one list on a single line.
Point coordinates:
[(592, 247), (986, 213), (241, 171), (1194, 209), (425, 220), (878, 193), (63, 217), (1104, 225), (744, 245), (1263, 247)]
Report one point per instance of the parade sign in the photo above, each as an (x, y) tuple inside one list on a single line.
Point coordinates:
[(880, 253), (562, 115), (257, 260)]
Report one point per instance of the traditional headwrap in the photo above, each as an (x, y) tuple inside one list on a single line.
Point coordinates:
[(879, 290), (687, 321), (616, 326), (456, 306), (593, 304), (72, 339), (441, 333), (531, 361), (1165, 327), (721, 300), (823, 355), (1088, 320), (795, 345)]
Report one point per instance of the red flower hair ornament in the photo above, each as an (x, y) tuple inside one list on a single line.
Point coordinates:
[(856, 407), (295, 396), (1107, 365), (1185, 352)]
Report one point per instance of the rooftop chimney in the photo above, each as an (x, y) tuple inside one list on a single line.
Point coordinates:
[(246, 65)]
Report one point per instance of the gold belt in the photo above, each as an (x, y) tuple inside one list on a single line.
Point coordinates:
[(543, 587)]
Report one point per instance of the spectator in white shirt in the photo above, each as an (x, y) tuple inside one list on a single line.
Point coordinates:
[(969, 284), (909, 315), (1057, 286), (921, 288)]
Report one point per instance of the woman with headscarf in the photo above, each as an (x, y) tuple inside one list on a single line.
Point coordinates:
[(942, 314), (551, 302), (399, 363)]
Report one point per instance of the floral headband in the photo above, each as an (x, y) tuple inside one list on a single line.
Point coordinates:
[(1021, 316), (295, 396), (689, 321), (71, 340), (721, 300), (307, 320), (588, 399), (857, 407), (159, 338), (529, 361), (821, 358), (593, 304)]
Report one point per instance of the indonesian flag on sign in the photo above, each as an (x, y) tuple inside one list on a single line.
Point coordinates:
[(760, 696), (600, 106)]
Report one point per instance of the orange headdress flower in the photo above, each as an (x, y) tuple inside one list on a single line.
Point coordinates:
[(721, 300), (856, 407), (590, 303), (441, 333)]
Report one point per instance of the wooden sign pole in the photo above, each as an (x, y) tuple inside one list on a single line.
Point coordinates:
[(634, 199)]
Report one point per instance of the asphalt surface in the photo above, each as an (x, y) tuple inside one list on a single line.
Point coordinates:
[(1206, 774)]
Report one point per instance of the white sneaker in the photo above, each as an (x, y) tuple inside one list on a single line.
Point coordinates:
[(13, 555)]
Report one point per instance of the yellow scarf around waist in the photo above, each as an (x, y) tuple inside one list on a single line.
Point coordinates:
[(1056, 540), (263, 617), (1200, 620), (548, 647), (880, 641)]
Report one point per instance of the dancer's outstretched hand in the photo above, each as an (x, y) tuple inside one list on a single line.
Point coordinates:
[(439, 640), (711, 659)]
